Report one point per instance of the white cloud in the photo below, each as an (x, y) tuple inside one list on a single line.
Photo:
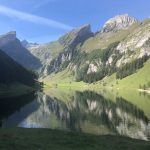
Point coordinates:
[(12, 13)]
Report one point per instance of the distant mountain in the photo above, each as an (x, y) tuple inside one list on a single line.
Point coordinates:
[(11, 71), (13, 47), (46, 53), (8, 37), (27, 44), (70, 41), (63, 48)]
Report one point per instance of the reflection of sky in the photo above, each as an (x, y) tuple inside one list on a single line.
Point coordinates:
[(22, 114), (26, 124)]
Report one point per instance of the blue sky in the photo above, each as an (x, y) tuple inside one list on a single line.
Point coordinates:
[(45, 20)]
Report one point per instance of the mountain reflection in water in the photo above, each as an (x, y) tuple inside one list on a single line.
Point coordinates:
[(83, 112)]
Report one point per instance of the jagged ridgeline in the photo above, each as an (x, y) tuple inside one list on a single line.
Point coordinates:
[(11, 71), (122, 45), (12, 46)]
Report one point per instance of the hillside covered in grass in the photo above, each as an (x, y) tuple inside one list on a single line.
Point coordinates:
[(138, 80)]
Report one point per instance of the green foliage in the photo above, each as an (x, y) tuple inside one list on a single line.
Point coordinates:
[(103, 55), (106, 53), (65, 64), (93, 77), (134, 81), (80, 73), (79, 58), (131, 68)]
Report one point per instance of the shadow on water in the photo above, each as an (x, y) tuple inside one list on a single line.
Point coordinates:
[(9, 106)]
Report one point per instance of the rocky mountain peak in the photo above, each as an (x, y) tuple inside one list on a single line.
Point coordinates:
[(8, 37), (28, 45), (118, 22), (76, 36), (85, 27)]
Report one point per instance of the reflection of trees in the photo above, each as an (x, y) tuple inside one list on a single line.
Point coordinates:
[(131, 109), (120, 117), (61, 110), (96, 109)]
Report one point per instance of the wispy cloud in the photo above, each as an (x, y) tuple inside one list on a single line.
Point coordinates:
[(12, 13), (43, 3)]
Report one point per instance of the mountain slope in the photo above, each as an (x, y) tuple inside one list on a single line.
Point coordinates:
[(139, 79), (135, 81), (27, 45), (13, 47), (122, 41), (46, 52), (54, 54), (11, 71)]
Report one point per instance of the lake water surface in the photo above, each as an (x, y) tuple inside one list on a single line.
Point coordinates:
[(89, 112)]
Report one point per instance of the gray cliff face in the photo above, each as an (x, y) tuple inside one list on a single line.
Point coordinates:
[(56, 64), (76, 36), (69, 42), (118, 22)]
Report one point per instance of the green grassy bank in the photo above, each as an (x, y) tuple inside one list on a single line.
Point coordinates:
[(46, 139), (138, 80)]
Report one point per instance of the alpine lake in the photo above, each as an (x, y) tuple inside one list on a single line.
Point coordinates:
[(102, 113)]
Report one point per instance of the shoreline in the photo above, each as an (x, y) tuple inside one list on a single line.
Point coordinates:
[(147, 91), (18, 89)]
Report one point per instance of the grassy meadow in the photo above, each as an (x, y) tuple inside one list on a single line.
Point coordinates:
[(46, 139)]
